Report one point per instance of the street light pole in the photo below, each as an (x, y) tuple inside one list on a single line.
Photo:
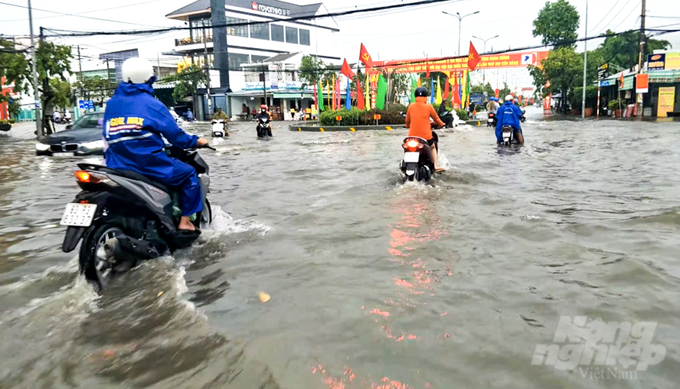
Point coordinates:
[(460, 21), (485, 40), (38, 118), (585, 66)]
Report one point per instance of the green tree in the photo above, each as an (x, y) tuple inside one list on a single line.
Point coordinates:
[(52, 62), (61, 90), (557, 24), (95, 88), (504, 92), (400, 84), (187, 82), (312, 70), (564, 69), (487, 89), (622, 50)]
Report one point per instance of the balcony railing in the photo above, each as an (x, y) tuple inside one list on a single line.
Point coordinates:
[(193, 41)]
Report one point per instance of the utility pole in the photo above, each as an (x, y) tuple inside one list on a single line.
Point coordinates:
[(80, 75), (38, 118), (585, 65), (207, 69), (638, 103)]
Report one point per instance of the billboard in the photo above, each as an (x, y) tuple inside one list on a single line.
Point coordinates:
[(663, 61), (495, 61)]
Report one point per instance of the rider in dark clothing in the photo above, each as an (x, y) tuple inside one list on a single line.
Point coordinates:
[(264, 115), (445, 116)]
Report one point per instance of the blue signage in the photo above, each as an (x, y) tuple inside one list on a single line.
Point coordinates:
[(604, 83), (656, 61), (85, 104)]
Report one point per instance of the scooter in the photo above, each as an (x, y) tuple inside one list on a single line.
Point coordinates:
[(124, 218), (219, 129), (524, 116), (417, 164), (263, 130), (509, 137), (491, 121)]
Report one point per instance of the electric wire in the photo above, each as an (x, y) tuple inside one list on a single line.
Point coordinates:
[(82, 13)]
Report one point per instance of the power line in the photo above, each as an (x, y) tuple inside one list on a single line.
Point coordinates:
[(627, 16), (249, 23), (76, 15), (612, 19), (604, 17), (82, 13)]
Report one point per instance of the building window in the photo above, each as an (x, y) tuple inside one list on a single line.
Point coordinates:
[(236, 60), (291, 35), (257, 58), (237, 30), (197, 29), (304, 37), (259, 31), (277, 33)]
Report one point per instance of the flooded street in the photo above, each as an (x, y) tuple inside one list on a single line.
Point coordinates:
[(373, 283)]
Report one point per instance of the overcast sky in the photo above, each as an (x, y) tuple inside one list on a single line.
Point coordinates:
[(397, 34)]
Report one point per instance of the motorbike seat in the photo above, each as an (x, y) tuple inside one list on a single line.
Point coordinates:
[(127, 174)]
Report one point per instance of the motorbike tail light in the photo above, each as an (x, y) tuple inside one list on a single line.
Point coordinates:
[(413, 145), (85, 177)]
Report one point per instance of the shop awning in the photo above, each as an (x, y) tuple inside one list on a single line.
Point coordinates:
[(664, 76), (293, 95)]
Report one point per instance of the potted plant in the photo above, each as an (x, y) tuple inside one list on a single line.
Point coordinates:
[(6, 125), (615, 106)]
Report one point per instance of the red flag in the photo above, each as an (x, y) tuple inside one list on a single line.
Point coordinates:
[(427, 64), (346, 70), (364, 57), (473, 57), (498, 93), (621, 80), (456, 91), (361, 103), (446, 89)]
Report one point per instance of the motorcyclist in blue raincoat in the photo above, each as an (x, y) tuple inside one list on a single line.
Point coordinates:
[(509, 115), (135, 124)]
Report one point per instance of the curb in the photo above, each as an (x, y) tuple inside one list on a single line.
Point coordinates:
[(345, 128)]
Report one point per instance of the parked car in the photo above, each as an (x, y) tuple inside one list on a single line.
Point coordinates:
[(84, 137)]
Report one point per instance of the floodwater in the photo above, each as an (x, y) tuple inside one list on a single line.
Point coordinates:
[(373, 283)]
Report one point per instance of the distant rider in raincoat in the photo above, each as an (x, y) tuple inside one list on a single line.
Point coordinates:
[(135, 124), (509, 115)]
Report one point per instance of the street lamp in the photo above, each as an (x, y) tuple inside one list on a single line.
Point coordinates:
[(460, 19), (485, 40)]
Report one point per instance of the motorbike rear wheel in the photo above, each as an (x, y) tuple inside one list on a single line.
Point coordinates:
[(96, 269)]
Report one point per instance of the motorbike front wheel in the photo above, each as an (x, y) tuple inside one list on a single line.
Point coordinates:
[(93, 265)]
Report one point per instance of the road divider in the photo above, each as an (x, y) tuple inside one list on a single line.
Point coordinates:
[(345, 128)]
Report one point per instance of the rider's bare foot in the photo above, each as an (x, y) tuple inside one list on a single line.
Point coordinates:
[(185, 224), (439, 169)]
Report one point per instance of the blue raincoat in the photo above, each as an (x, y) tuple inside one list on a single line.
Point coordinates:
[(508, 115), (135, 124)]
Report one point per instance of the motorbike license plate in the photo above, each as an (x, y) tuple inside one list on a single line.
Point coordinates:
[(78, 215), (411, 157)]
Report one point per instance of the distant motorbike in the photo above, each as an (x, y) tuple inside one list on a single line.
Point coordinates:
[(219, 129), (491, 121), (524, 116), (263, 130), (417, 164), (62, 120), (124, 218)]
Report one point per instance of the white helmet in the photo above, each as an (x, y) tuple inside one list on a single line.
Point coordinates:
[(137, 70), (507, 98)]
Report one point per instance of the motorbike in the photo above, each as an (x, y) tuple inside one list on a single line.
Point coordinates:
[(417, 164), (263, 130), (219, 129), (62, 120), (491, 121), (124, 218), (524, 116), (509, 136)]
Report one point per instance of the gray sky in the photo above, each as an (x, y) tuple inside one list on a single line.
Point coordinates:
[(399, 34)]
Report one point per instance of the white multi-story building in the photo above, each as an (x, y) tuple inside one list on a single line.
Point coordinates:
[(256, 43)]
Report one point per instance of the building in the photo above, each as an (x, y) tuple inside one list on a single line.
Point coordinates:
[(254, 43), (662, 98)]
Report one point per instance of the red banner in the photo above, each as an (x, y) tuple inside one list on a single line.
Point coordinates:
[(497, 61)]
